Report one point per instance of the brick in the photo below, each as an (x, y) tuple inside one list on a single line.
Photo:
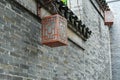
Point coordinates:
[(55, 78), (7, 47), (2, 76), (8, 77), (17, 78), (5, 77), (2, 13), (15, 54), (2, 21), (23, 66), (15, 27), (32, 76), (18, 74), (1, 71), (44, 79), (2, 50), (1, 60)]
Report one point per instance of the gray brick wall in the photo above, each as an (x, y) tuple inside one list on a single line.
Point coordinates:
[(22, 57), (97, 55), (115, 40)]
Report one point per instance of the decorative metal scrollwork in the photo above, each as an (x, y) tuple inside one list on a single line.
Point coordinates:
[(103, 4)]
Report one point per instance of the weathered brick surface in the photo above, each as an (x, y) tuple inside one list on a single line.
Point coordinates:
[(115, 40), (22, 57)]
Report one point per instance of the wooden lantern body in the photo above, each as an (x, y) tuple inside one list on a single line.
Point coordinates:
[(54, 31), (108, 18)]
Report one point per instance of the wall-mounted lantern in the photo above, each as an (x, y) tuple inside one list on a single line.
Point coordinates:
[(108, 19), (54, 31)]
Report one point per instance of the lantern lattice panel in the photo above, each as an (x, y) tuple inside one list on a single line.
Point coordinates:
[(109, 18), (54, 31)]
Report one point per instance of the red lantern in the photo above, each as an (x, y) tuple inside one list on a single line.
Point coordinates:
[(108, 18), (54, 31)]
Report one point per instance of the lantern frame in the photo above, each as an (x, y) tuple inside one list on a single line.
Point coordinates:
[(108, 17), (54, 31)]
